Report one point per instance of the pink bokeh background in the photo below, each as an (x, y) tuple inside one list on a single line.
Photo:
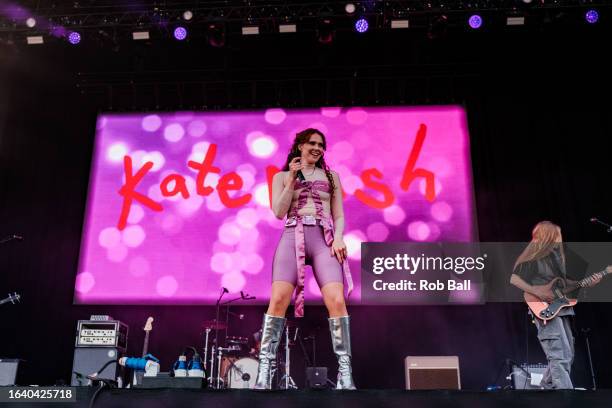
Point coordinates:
[(187, 252)]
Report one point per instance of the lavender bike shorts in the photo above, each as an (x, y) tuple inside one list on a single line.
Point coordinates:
[(326, 268)]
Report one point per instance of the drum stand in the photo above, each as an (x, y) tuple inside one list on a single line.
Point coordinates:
[(212, 367), (208, 330), (286, 381)]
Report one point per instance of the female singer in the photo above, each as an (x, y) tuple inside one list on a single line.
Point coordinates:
[(310, 195)]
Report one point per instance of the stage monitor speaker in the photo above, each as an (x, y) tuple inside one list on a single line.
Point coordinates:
[(316, 377), (8, 371), (432, 373), (89, 360), (528, 376)]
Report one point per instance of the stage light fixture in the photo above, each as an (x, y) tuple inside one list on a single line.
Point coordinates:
[(361, 25), (350, 8), (31, 22), (325, 31), (475, 21), (35, 39), (287, 28), (140, 35), (399, 24), (180, 33), (438, 27), (187, 15), (250, 30), (74, 38), (591, 16), (515, 21), (215, 34)]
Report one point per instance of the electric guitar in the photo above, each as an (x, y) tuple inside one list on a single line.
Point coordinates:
[(546, 311), (148, 327), (11, 298), (139, 375)]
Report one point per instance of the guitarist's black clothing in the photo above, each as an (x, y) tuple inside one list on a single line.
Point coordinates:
[(556, 337), (542, 271)]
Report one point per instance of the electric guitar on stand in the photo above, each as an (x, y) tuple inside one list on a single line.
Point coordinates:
[(139, 375), (11, 298), (148, 327), (545, 311)]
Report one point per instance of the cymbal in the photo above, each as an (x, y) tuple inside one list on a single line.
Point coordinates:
[(213, 324)]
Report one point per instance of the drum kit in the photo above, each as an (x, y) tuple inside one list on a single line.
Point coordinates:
[(235, 364)]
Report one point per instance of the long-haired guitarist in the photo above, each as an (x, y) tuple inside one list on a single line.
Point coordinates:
[(543, 261)]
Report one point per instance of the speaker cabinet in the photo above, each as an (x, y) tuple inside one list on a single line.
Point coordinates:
[(88, 360), (8, 371), (432, 373), (528, 376), (316, 377)]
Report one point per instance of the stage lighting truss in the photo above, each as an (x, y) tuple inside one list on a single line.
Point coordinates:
[(130, 16)]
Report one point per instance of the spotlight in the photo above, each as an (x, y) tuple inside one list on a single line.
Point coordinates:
[(187, 15), (180, 33), (74, 38), (361, 25), (349, 8), (475, 21), (591, 16), (215, 34), (31, 22), (325, 31)]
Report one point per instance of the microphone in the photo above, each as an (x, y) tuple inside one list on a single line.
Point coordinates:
[(594, 220), (18, 237), (225, 290), (301, 176)]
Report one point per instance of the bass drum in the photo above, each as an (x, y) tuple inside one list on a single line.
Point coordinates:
[(243, 373)]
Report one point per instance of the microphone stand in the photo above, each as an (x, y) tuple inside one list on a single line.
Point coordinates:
[(216, 341), (586, 331)]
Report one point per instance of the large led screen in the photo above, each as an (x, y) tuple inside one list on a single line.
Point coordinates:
[(179, 204)]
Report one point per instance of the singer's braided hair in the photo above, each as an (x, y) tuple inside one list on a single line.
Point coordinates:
[(301, 138)]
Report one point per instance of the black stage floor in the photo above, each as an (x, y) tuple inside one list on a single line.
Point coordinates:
[(154, 398)]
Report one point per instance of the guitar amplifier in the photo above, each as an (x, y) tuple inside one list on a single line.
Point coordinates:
[(432, 373), (528, 376), (101, 360), (110, 333)]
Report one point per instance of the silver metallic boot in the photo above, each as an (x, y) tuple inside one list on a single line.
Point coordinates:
[(340, 329), (272, 329)]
